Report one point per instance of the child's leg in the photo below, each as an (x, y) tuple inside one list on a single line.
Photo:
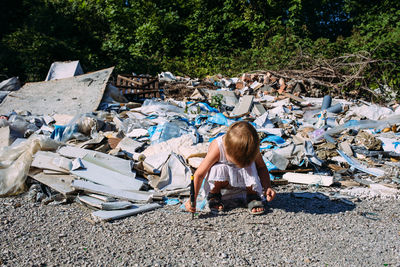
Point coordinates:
[(218, 186), (214, 197)]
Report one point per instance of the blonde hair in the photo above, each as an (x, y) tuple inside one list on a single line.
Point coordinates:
[(242, 143)]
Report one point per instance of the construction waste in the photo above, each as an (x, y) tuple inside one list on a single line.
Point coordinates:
[(132, 146)]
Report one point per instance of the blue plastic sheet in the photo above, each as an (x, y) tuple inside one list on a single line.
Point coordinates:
[(220, 119), (151, 130), (266, 147), (164, 132), (274, 139), (200, 119), (172, 201), (203, 106), (270, 167), (200, 205), (57, 134), (218, 135)]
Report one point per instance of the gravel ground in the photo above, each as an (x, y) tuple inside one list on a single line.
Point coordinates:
[(294, 232)]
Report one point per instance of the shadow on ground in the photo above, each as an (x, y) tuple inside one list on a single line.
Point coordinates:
[(289, 203)]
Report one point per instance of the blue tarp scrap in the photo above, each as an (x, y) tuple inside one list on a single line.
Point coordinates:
[(220, 119), (200, 205), (200, 119), (273, 139), (57, 134)]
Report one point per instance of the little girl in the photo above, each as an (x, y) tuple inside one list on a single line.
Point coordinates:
[(234, 160)]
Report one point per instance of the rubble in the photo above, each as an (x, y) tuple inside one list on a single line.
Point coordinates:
[(85, 143)]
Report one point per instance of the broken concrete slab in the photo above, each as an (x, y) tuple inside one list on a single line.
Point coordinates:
[(244, 106), (229, 97), (72, 96), (102, 197)]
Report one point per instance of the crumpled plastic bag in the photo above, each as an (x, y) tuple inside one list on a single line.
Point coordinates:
[(81, 126), (16, 161), (175, 174)]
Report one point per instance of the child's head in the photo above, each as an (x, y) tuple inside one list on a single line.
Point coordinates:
[(242, 143)]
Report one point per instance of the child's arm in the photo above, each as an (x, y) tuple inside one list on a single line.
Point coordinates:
[(211, 158), (264, 178)]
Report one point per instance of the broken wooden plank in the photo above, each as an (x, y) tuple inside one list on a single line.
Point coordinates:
[(103, 215), (134, 196), (120, 77), (60, 183), (302, 178)]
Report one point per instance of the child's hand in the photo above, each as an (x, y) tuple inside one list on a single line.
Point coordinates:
[(269, 194), (189, 207)]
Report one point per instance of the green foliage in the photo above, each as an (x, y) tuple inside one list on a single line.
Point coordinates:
[(198, 37), (216, 100)]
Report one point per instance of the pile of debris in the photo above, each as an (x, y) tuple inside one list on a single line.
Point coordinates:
[(78, 138)]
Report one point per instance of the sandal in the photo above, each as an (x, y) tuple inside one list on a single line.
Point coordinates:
[(215, 201), (254, 201)]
